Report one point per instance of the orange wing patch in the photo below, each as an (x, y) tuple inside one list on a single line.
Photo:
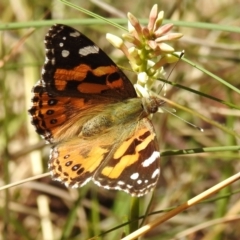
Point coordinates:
[(74, 162), (128, 152), (79, 73), (91, 87), (50, 113)]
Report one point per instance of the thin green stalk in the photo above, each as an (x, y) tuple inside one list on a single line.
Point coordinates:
[(134, 214)]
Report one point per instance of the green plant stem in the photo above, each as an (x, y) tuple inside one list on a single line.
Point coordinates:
[(134, 214)]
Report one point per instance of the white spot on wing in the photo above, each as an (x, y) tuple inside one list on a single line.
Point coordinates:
[(66, 183), (121, 183), (117, 188), (53, 61), (73, 186), (134, 176), (74, 34), (88, 50), (46, 60), (139, 181), (65, 53), (61, 44), (156, 173), (54, 153), (151, 159), (97, 183)]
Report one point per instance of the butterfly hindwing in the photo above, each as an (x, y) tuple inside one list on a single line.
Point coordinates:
[(134, 165), (74, 162), (126, 165)]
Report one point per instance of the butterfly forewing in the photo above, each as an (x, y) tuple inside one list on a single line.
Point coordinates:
[(75, 66)]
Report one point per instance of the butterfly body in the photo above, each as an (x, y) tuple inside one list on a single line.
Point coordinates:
[(89, 110)]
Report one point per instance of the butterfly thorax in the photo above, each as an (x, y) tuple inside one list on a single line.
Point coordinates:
[(120, 114)]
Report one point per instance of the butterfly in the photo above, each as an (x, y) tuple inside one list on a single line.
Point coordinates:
[(89, 110)]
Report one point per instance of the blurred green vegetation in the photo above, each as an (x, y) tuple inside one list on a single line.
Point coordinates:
[(44, 209)]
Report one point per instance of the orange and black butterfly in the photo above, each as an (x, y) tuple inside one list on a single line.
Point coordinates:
[(88, 109)]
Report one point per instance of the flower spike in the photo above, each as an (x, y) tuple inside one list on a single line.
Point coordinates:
[(149, 50)]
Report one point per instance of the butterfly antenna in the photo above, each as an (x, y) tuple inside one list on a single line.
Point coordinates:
[(191, 124), (173, 110), (175, 64), (164, 85)]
